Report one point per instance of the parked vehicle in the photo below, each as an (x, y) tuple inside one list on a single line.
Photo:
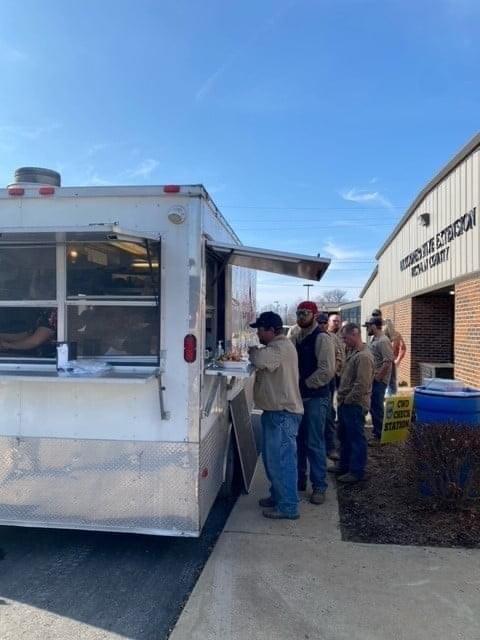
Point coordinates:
[(148, 281)]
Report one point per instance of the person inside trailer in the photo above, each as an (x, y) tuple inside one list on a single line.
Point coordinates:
[(41, 339)]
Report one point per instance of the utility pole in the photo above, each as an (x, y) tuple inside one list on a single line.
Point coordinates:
[(308, 290)]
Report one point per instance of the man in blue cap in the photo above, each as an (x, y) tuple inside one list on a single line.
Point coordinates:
[(276, 392)]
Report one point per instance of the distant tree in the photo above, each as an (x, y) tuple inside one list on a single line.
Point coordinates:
[(291, 313), (334, 296)]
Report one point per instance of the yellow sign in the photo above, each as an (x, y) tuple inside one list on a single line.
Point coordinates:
[(397, 419)]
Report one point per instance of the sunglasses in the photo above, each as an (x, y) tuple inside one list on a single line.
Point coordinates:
[(303, 313)]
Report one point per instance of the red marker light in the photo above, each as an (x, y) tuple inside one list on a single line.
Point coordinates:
[(46, 191), (171, 188), (190, 348), (16, 191)]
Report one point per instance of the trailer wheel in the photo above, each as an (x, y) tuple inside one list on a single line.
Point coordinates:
[(232, 486)]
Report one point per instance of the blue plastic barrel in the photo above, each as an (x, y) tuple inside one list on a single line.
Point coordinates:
[(461, 405), (447, 401)]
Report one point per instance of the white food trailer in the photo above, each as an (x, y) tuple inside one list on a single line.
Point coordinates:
[(148, 279)]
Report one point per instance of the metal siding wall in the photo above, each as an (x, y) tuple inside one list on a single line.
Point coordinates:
[(371, 299), (457, 194)]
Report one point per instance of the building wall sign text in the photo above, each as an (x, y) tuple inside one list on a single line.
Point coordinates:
[(437, 249)]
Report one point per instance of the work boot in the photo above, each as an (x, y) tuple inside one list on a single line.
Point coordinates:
[(275, 514), (348, 478), (317, 497), (266, 503)]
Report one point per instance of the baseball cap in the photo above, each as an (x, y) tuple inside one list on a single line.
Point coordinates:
[(266, 320), (309, 306), (373, 320), (322, 318)]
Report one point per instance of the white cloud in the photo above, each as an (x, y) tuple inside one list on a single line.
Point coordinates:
[(335, 251), (96, 181), (362, 196), (144, 169), (209, 83), (214, 189)]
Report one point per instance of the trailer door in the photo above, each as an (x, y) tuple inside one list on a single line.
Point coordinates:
[(285, 264)]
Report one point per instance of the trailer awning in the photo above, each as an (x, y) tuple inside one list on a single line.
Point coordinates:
[(285, 264), (88, 233)]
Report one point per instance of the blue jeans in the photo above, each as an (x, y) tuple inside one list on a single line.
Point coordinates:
[(311, 441), (376, 407), (353, 444), (330, 431), (279, 452)]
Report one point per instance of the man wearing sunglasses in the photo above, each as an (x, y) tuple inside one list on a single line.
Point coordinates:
[(316, 363)]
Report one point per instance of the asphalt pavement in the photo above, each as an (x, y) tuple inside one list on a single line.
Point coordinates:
[(75, 584)]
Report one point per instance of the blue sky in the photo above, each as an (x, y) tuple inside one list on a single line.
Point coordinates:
[(313, 123)]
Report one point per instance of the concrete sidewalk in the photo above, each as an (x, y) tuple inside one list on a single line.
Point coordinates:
[(283, 580)]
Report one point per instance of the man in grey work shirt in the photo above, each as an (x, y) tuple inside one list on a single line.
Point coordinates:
[(382, 352), (316, 363)]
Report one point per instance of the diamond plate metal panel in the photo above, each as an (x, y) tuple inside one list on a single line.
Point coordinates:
[(142, 487), (212, 459)]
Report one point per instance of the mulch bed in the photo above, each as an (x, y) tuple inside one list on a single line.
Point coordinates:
[(386, 508)]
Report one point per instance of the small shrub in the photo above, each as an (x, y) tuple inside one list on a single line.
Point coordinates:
[(445, 460)]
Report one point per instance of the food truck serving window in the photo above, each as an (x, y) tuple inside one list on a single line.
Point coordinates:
[(100, 290), (27, 273), (111, 269)]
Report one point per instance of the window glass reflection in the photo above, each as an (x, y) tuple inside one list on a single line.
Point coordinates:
[(111, 269), (113, 330), (27, 273)]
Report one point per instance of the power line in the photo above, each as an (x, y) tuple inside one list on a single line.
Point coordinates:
[(334, 285), (294, 208), (371, 225)]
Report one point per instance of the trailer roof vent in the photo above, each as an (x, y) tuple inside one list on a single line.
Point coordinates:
[(37, 175)]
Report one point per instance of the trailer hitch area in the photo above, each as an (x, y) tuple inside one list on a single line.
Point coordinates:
[(164, 414)]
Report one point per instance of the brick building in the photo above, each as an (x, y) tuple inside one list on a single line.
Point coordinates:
[(427, 277)]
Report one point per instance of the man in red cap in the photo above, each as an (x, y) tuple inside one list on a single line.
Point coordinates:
[(316, 363)]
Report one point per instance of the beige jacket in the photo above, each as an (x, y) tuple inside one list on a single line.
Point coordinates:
[(324, 351), (276, 381), (357, 378), (339, 352)]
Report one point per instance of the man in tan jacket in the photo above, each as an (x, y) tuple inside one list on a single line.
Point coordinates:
[(276, 391), (353, 398)]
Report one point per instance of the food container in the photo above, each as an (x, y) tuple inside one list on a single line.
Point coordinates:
[(232, 364)]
